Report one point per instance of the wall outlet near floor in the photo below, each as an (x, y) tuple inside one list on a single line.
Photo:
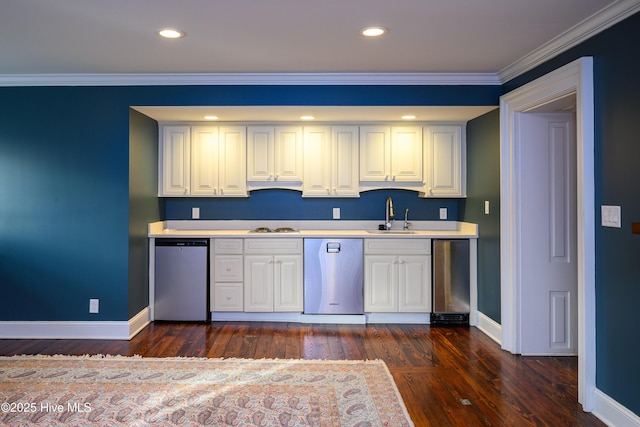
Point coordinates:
[(94, 305), (195, 213), (443, 213), (336, 213)]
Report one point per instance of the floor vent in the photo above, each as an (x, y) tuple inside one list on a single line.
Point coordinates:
[(450, 318)]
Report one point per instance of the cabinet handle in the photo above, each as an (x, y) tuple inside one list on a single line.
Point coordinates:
[(228, 298), (221, 191), (275, 178), (228, 268), (328, 191), (270, 177), (186, 190), (386, 177)]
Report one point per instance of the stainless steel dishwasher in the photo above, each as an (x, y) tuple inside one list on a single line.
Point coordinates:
[(181, 280), (333, 276)]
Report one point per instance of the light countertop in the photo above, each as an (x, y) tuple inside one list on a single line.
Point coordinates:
[(310, 229)]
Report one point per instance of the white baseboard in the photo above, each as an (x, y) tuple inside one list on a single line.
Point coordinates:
[(490, 327), (110, 330), (613, 413)]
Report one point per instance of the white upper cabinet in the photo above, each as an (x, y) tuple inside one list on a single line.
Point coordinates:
[(274, 156), (203, 161), (260, 153), (445, 161), (330, 161), (391, 154), (174, 161), (232, 165)]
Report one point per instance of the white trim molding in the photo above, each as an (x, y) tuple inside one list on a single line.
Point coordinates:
[(109, 330), (612, 413), (489, 327), (574, 78), (600, 21), (231, 79)]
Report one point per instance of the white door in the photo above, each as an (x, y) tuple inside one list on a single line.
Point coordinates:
[(548, 299)]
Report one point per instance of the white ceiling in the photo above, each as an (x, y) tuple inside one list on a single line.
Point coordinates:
[(275, 36), (45, 39)]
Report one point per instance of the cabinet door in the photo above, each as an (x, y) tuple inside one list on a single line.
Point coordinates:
[(288, 153), (317, 161), (445, 161), (406, 154), (175, 161), (344, 161), (260, 153), (204, 161), (375, 153), (258, 283), (414, 283), (232, 173), (288, 277), (380, 283)]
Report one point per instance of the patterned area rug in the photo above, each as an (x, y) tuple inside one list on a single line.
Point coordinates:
[(135, 391)]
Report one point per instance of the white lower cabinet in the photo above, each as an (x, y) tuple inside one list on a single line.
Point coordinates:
[(227, 286), (273, 275), (397, 275)]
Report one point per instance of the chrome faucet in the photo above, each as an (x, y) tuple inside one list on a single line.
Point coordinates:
[(406, 220), (388, 213)]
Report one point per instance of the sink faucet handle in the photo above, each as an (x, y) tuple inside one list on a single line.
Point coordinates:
[(406, 220)]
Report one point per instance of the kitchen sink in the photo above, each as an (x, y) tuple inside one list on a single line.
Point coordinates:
[(390, 231)]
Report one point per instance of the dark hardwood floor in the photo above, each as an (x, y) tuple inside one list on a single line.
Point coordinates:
[(447, 376)]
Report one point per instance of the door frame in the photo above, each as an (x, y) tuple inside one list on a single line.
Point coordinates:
[(575, 78)]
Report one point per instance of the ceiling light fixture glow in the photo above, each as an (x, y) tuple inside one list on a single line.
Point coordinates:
[(408, 117), (307, 117), (170, 33), (211, 117), (373, 31)]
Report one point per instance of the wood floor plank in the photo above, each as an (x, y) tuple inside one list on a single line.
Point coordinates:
[(435, 368)]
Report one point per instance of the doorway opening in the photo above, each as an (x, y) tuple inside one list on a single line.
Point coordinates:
[(574, 81)]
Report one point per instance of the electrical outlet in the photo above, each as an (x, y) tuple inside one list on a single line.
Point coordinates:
[(486, 207), (443, 213), (336, 213), (94, 306), (195, 213)]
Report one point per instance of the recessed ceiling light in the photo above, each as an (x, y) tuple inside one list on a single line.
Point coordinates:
[(307, 117), (408, 117), (211, 117), (373, 31), (170, 33)]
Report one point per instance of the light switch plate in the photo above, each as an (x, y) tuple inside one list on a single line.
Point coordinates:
[(443, 213), (336, 213), (195, 213), (611, 216)]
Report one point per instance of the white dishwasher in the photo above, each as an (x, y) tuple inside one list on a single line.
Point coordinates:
[(181, 280)]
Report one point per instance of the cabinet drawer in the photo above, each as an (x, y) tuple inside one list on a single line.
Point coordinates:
[(397, 246), (227, 246), (273, 246), (227, 297), (227, 268)]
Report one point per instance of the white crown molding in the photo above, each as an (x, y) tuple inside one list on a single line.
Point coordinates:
[(231, 79), (575, 35)]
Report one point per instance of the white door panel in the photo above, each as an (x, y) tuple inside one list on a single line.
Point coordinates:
[(548, 234)]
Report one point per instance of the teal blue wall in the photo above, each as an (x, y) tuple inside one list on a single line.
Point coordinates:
[(72, 205), (289, 204), (617, 150), (483, 183)]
